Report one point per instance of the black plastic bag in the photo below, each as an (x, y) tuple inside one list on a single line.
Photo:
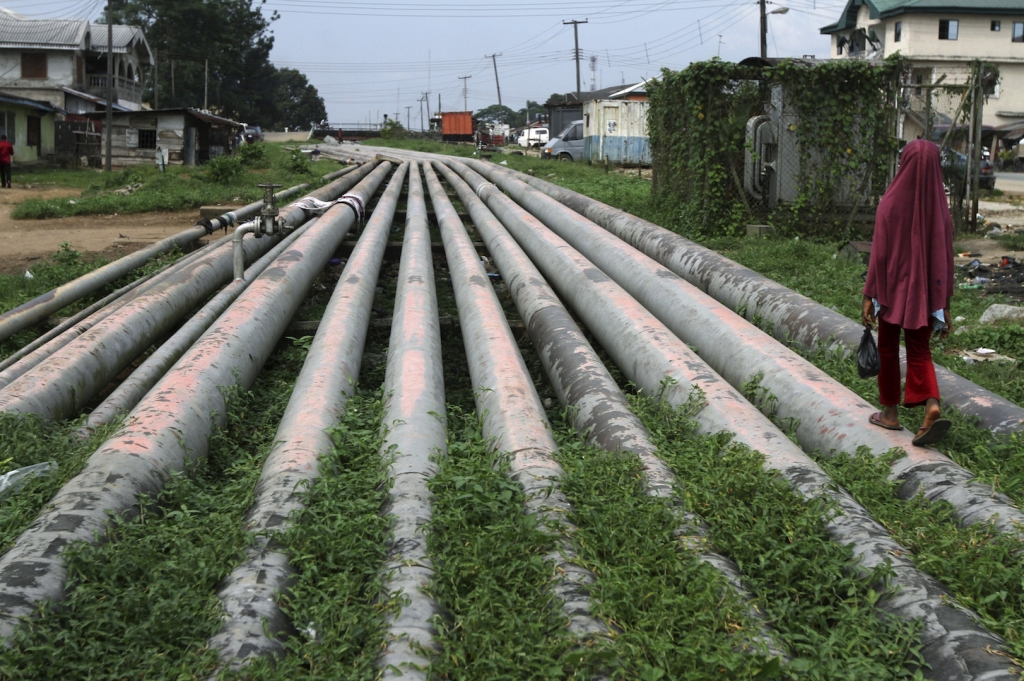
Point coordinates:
[(868, 364)]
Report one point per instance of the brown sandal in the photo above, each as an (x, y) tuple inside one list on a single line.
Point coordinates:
[(876, 419)]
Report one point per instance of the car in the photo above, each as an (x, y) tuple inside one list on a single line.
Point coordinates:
[(533, 137), (567, 145), (954, 165), (253, 133)]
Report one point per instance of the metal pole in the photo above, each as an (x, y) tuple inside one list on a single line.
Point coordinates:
[(206, 83), (576, 36), (110, 86), (979, 103), (764, 28), (494, 60)]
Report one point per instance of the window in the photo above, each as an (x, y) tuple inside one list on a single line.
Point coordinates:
[(33, 65), (147, 139), (33, 131), (7, 125), (948, 29), (897, 32), (997, 25), (1018, 31)]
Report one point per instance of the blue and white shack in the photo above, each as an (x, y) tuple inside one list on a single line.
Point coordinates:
[(615, 127)]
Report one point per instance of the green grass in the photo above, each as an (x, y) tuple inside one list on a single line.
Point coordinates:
[(822, 612), (981, 567), (142, 603), (58, 269), (675, 616), (179, 188), (491, 573), (338, 544)]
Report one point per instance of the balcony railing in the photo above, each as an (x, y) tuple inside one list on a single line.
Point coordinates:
[(125, 89)]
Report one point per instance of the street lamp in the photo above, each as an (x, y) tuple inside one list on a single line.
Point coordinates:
[(764, 25)]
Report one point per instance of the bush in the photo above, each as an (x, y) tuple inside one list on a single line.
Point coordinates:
[(224, 169), (254, 155), (392, 129), (299, 164)]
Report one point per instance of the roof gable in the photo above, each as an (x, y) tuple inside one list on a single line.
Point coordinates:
[(882, 9)]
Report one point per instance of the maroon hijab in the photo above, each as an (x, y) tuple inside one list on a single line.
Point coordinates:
[(911, 267)]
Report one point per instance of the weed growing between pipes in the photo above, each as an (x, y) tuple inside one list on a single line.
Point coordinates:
[(26, 440), (980, 566), (823, 613), (675, 616), (143, 603), (491, 573), (997, 460), (337, 545)]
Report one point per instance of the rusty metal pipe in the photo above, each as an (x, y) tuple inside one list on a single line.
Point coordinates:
[(511, 413), (830, 417), (328, 377), (134, 388), (65, 383), (599, 408), (172, 425), (955, 644), (414, 422), (234, 217), (41, 351), (237, 253), (795, 318), (41, 307)]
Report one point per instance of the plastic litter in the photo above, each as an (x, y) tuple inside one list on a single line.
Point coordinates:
[(28, 275), (12, 482), (868, 363)]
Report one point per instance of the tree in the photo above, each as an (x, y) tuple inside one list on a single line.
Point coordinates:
[(554, 99), (531, 109), (299, 102), (495, 113), (234, 37)]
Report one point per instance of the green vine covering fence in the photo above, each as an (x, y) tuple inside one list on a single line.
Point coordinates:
[(844, 126)]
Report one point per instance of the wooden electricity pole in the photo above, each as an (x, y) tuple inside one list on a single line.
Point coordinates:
[(576, 35)]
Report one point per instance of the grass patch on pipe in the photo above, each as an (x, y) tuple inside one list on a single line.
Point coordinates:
[(675, 616), (142, 603), (337, 545), (823, 613), (979, 565), (492, 576)]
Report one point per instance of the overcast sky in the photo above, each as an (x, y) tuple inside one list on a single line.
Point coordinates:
[(370, 58)]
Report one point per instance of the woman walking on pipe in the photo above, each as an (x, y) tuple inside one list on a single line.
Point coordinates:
[(909, 285)]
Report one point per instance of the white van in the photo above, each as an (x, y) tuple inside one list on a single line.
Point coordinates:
[(533, 137), (567, 145)]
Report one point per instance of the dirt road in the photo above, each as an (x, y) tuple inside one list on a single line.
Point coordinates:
[(24, 241)]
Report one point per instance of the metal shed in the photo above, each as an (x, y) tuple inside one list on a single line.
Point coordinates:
[(616, 130)]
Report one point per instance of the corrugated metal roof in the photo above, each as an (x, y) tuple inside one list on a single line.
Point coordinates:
[(17, 31), (91, 98), (195, 113), (124, 37), (31, 103), (881, 9)]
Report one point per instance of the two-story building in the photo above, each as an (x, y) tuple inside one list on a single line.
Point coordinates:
[(64, 62), (941, 38)]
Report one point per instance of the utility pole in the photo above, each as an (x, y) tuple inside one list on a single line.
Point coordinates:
[(206, 85), (172, 80), (494, 59), (576, 35), (764, 28), (426, 98), (465, 106), (408, 119), (110, 85), (156, 83), (420, 100)]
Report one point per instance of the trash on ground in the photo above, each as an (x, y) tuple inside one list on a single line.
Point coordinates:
[(11, 482), (983, 355)]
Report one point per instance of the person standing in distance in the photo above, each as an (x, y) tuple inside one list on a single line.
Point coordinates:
[(909, 285), (6, 154)]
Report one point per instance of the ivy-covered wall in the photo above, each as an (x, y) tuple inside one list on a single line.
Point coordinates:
[(845, 131)]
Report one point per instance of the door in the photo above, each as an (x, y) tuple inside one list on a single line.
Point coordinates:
[(34, 135), (190, 146)]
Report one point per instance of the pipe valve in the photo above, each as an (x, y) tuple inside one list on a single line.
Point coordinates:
[(267, 222)]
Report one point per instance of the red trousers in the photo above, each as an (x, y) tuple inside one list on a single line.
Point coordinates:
[(921, 384)]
